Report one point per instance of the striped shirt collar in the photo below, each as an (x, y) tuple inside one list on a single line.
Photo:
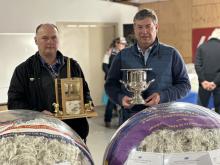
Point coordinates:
[(54, 68)]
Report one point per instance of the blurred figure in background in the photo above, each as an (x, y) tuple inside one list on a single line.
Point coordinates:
[(116, 46), (208, 70)]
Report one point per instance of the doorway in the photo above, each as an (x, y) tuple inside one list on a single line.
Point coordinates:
[(87, 43)]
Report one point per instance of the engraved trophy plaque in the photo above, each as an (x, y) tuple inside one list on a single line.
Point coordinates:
[(69, 98), (136, 83)]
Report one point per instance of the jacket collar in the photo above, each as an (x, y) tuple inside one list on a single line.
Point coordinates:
[(154, 49), (59, 56)]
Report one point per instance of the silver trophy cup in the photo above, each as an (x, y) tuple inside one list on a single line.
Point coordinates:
[(136, 83)]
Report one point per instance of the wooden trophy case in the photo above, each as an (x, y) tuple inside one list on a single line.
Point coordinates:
[(69, 98)]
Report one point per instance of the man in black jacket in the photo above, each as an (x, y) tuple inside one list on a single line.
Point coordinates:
[(32, 84), (208, 70)]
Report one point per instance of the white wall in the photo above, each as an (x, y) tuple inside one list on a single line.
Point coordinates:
[(22, 16), (14, 49)]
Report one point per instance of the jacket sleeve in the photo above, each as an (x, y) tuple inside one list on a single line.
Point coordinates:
[(217, 79), (112, 84), (105, 68), (199, 65), (77, 71), (105, 63), (180, 81), (17, 98)]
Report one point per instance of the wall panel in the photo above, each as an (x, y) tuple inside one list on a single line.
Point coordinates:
[(178, 18), (207, 15), (174, 24)]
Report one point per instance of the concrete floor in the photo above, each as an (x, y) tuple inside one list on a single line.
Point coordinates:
[(99, 135)]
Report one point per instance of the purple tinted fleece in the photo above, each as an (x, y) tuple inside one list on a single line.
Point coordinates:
[(129, 137)]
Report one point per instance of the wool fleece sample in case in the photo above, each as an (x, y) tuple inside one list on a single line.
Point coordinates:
[(167, 134), (32, 138)]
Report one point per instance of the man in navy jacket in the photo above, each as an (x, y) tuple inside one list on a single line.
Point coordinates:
[(168, 68)]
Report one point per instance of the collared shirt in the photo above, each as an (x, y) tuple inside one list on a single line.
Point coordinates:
[(54, 68), (146, 53)]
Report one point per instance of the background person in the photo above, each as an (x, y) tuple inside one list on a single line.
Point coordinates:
[(32, 84), (168, 68), (208, 70), (116, 46)]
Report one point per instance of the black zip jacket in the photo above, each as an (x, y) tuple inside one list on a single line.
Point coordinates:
[(207, 61), (32, 87)]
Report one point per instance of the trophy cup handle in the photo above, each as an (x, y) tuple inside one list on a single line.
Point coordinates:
[(125, 84), (148, 84)]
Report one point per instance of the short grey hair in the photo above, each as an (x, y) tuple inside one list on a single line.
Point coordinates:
[(45, 24), (144, 13)]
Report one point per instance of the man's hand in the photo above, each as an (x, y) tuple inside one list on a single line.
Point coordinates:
[(152, 99), (212, 86), (209, 86), (126, 102), (205, 85)]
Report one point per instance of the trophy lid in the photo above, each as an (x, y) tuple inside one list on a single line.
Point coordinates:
[(137, 69)]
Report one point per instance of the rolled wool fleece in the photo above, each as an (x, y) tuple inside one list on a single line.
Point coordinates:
[(185, 140), (33, 150)]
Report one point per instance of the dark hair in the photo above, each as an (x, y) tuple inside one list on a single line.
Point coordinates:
[(112, 45), (144, 13), (39, 26), (117, 41)]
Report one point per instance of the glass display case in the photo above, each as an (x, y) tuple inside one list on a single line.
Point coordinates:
[(32, 138), (167, 134)]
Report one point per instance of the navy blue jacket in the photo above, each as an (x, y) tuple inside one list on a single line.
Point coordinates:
[(168, 70)]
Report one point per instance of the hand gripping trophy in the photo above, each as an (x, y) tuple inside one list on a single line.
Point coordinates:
[(136, 83)]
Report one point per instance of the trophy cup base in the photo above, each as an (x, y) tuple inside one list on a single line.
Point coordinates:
[(137, 100)]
